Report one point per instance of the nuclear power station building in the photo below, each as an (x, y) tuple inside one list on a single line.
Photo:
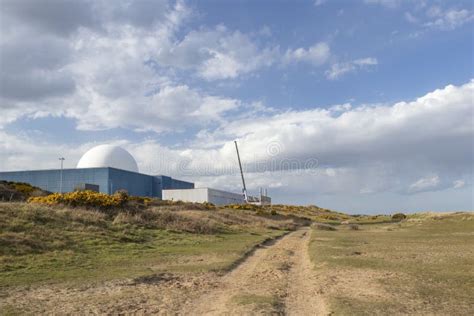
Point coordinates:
[(104, 168), (108, 169)]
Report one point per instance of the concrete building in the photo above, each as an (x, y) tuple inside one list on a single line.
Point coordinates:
[(108, 168), (111, 168), (201, 195)]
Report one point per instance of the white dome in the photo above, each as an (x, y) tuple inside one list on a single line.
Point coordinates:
[(108, 156)]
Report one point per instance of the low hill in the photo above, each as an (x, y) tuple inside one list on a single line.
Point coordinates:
[(18, 191), (40, 243)]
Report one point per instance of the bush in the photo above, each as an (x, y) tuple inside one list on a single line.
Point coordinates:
[(88, 199), (173, 221), (322, 226), (248, 207), (353, 227), (18, 191), (398, 216)]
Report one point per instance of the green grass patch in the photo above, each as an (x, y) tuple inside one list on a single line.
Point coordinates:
[(259, 302), (43, 245), (424, 265)]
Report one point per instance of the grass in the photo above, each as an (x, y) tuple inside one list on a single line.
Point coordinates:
[(46, 245), (269, 304), (322, 215), (422, 265)]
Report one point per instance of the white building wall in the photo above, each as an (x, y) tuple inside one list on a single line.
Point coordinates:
[(202, 195), (199, 195), (218, 197)]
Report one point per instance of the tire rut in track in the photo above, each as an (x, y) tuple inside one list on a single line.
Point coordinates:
[(276, 279)]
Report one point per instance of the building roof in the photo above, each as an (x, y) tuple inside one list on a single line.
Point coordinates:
[(108, 156)]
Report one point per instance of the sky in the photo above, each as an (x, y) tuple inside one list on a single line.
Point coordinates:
[(360, 106)]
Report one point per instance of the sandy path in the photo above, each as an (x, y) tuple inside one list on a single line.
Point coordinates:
[(304, 289), (276, 279)]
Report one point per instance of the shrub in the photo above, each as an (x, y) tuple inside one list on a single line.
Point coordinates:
[(18, 191), (398, 216), (322, 226), (248, 207), (88, 199), (353, 227), (174, 221)]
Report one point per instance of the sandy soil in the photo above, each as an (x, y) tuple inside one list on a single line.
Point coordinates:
[(277, 278)]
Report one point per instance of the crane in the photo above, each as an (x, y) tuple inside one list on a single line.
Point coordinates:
[(244, 190)]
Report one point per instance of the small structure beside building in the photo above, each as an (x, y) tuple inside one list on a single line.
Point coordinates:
[(216, 197), (260, 200), (202, 195), (87, 187)]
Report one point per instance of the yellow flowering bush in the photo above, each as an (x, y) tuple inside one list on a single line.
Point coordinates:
[(249, 207), (24, 188), (83, 199)]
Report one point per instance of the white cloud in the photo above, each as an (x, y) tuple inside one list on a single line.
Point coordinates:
[(411, 18), (19, 152), (437, 17), (341, 107), (425, 184), (100, 69), (118, 84), (318, 3), (365, 61), (430, 17), (339, 69), (33, 69), (386, 3), (217, 54), (265, 31), (382, 147), (457, 184), (316, 55), (99, 73), (160, 112), (448, 19), (106, 77)]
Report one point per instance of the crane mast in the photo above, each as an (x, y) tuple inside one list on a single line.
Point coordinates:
[(244, 190)]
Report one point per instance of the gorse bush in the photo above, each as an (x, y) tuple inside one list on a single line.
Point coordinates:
[(88, 199), (353, 227), (18, 191), (24, 188), (248, 207), (322, 226), (398, 216)]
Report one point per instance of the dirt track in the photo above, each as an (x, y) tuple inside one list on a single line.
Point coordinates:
[(276, 279)]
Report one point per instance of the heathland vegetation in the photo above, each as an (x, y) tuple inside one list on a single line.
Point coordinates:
[(422, 265), (119, 254)]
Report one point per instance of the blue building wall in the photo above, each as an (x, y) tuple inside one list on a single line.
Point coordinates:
[(109, 180), (134, 183), (170, 183)]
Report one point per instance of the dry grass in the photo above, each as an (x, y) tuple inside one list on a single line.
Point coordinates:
[(322, 226), (18, 191), (171, 220), (353, 226), (58, 243), (420, 266)]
